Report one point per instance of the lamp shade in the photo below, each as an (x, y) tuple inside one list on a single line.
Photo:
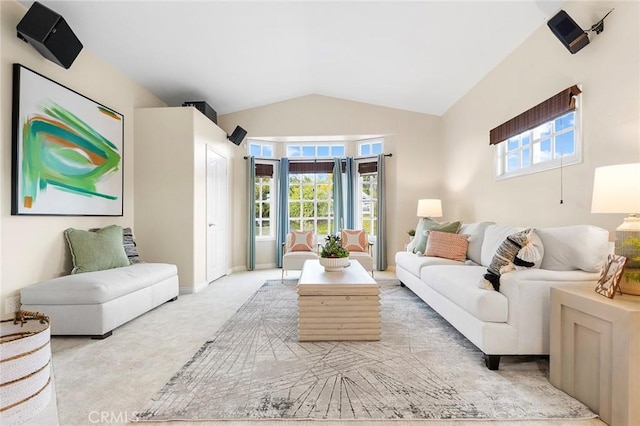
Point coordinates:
[(429, 208), (616, 189)]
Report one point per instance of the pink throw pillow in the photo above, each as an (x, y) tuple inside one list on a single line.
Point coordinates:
[(302, 240), (354, 240), (447, 245)]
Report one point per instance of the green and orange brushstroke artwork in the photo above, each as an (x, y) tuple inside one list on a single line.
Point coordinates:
[(61, 150)]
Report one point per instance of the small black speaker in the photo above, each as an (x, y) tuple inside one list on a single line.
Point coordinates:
[(568, 32), (50, 34), (238, 134)]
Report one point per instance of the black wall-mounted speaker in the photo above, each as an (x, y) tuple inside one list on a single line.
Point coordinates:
[(238, 134), (568, 32), (50, 34), (204, 108)]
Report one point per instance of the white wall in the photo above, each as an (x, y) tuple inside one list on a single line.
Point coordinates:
[(170, 188), (413, 172), (33, 247), (608, 70)]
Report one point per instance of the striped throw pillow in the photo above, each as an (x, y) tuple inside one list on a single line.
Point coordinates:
[(447, 245)]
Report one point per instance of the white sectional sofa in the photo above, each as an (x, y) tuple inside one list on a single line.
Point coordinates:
[(94, 303), (515, 319)]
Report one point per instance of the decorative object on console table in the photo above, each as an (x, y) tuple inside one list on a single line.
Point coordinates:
[(616, 189), (67, 151), (595, 351), (609, 281), (333, 256)]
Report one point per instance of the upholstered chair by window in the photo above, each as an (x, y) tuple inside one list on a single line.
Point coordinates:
[(357, 242), (299, 246)]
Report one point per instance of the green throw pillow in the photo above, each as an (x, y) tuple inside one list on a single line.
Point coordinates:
[(428, 224), (421, 237), (96, 251)]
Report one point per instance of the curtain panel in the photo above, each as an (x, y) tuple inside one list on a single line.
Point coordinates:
[(350, 201), (282, 226), (381, 236), (251, 202)]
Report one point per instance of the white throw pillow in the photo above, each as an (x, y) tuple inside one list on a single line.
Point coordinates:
[(475, 231), (568, 248), (494, 235)]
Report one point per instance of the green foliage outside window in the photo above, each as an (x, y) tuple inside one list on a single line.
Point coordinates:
[(310, 202)]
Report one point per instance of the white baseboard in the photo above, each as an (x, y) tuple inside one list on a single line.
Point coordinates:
[(244, 268), (266, 266), (198, 287)]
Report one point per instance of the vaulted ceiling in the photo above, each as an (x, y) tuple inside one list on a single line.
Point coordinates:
[(419, 56)]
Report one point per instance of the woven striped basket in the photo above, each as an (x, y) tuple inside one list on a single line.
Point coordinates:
[(25, 367)]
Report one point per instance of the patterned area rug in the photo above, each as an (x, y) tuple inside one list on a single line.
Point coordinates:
[(422, 368)]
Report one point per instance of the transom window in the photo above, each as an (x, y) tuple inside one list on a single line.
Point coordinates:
[(372, 147), (261, 149), (547, 146), (317, 150)]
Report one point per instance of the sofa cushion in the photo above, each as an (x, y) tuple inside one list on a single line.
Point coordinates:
[(567, 248), (96, 251), (431, 225), (475, 231), (517, 251), (414, 263), (447, 245), (96, 287), (494, 235), (460, 285), (129, 244)]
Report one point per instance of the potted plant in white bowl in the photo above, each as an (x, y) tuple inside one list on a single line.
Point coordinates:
[(333, 256)]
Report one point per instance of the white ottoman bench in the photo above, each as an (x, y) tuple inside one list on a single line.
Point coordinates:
[(95, 303)]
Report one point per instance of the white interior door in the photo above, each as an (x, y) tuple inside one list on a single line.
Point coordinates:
[(216, 215)]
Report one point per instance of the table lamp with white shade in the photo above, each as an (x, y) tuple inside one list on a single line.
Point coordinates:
[(430, 207), (616, 189)]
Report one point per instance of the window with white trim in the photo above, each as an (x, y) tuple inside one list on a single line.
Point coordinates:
[(264, 188), (370, 147), (261, 149), (311, 202), (315, 150), (368, 208), (547, 146)]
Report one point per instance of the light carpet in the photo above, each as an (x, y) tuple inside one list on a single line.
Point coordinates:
[(422, 368)]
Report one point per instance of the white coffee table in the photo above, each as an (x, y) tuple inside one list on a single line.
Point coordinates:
[(341, 305)]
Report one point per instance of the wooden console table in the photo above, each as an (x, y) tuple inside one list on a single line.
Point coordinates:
[(341, 305), (595, 351)]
